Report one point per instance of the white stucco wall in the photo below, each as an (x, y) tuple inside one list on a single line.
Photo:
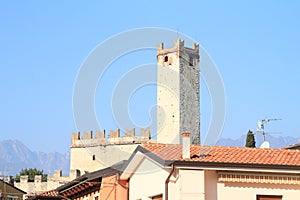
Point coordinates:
[(105, 156), (168, 112), (147, 181), (187, 184), (211, 182), (204, 185), (248, 191)]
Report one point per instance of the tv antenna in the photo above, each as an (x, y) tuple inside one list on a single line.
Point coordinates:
[(261, 127)]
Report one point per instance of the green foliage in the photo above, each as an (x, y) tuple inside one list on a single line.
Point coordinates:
[(250, 140), (31, 172)]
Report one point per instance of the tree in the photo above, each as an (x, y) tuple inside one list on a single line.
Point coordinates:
[(31, 172), (250, 140)]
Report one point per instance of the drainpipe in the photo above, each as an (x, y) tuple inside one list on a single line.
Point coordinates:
[(167, 182)]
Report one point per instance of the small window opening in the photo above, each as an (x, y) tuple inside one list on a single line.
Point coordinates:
[(94, 157), (157, 197), (166, 59), (191, 61)]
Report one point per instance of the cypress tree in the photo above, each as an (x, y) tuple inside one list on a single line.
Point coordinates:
[(250, 140)]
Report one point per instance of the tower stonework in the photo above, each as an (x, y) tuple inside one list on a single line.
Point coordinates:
[(178, 93)]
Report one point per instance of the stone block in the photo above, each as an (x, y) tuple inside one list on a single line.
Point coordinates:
[(100, 134), (115, 134), (145, 133), (88, 135), (57, 173), (38, 178), (130, 133), (24, 179)]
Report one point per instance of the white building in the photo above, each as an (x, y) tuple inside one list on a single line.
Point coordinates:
[(173, 171)]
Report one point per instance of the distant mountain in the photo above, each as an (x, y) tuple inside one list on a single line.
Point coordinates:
[(275, 142), (14, 156)]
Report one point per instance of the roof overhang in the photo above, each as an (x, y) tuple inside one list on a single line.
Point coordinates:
[(220, 166), (138, 156), (80, 187)]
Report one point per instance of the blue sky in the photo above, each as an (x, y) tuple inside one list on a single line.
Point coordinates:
[(42, 45)]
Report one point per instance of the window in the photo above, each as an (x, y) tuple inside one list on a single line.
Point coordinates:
[(166, 59), (97, 196), (12, 197), (94, 157), (268, 197), (191, 61), (158, 197)]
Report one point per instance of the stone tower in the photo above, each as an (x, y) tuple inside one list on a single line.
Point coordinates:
[(178, 93)]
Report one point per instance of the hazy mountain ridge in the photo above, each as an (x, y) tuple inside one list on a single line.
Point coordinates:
[(275, 142), (16, 156)]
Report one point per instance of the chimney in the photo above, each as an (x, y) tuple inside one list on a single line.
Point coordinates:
[(186, 145)]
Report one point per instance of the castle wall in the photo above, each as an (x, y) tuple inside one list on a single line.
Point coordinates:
[(53, 181), (96, 151)]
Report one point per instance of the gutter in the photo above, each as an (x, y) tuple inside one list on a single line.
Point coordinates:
[(69, 188), (237, 165), (167, 182)]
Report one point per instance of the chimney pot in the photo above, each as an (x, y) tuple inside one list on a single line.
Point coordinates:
[(186, 145)]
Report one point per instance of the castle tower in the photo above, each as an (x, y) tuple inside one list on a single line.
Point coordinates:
[(178, 93)]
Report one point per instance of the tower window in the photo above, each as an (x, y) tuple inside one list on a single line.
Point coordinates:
[(166, 59), (191, 61), (94, 157)]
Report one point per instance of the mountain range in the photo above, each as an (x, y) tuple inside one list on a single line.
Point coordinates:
[(15, 155), (275, 142)]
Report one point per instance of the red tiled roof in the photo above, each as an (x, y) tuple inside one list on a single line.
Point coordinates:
[(222, 154), (52, 194)]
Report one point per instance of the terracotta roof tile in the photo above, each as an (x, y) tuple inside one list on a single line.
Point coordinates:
[(222, 154), (52, 194)]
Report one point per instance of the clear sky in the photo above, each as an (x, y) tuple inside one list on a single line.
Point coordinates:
[(255, 45)]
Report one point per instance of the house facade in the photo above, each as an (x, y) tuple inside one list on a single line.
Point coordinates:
[(101, 184), (159, 171), (10, 192)]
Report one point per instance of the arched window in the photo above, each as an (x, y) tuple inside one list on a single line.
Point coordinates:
[(94, 157)]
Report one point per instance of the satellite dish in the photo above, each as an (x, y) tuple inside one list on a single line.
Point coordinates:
[(265, 144)]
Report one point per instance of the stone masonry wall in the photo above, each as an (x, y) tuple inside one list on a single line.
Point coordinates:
[(53, 181), (97, 151), (178, 93)]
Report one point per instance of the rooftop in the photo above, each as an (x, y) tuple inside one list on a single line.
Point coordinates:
[(52, 194), (222, 154)]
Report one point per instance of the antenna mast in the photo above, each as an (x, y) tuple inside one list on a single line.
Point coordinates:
[(261, 126)]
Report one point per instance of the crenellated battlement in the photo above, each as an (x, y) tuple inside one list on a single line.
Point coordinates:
[(38, 185), (179, 48), (100, 138)]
